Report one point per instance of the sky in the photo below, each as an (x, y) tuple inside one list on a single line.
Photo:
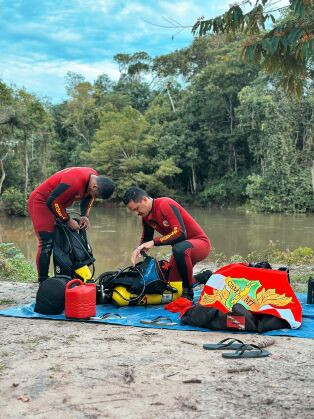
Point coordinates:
[(41, 40)]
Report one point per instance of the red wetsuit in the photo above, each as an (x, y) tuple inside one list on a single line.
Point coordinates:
[(50, 200), (179, 230)]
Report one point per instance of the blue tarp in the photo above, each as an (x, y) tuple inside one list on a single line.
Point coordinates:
[(132, 316)]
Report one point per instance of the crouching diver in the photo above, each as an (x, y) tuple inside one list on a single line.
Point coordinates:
[(50, 200), (178, 229)]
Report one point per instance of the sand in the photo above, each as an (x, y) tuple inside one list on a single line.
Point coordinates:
[(55, 369)]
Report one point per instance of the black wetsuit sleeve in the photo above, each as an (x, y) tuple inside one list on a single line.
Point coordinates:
[(54, 202), (85, 205), (178, 231), (147, 232)]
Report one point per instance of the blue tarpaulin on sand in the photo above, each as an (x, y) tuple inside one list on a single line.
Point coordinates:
[(132, 316)]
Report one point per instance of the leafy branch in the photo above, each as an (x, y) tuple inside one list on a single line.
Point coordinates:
[(286, 50)]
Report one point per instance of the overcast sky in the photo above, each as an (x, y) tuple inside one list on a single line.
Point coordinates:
[(41, 40)]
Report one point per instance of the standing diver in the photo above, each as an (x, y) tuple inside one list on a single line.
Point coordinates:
[(50, 200), (178, 229)]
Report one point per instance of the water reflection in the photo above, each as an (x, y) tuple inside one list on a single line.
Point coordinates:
[(116, 231)]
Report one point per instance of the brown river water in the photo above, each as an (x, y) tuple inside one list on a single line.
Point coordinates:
[(115, 232)]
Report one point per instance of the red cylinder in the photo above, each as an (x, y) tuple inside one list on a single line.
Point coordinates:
[(80, 301)]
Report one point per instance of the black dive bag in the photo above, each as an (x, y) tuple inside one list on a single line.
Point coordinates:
[(147, 277), (50, 297), (71, 250)]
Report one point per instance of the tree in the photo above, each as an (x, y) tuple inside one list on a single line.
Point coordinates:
[(7, 122), (122, 149), (26, 130), (136, 93), (209, 111), (278, 138), (133, 66), (103, 85), (77, 118), (188, 62), (285, 50)]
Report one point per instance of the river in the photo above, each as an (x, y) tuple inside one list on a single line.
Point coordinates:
[(116, 231)]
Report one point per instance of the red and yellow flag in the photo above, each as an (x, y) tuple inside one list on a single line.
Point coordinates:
[(262, 291)]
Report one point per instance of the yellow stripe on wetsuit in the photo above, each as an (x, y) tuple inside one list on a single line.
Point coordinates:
[(168, 236)]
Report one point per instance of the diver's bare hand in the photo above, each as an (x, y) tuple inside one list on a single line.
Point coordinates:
[(84, 222), (73, 225), (136, 253)]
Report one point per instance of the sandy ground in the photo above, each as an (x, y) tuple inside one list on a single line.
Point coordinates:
[(53, 369)]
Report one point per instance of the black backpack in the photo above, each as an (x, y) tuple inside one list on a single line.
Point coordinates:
[(147, 277), (71, 251), (50, 297)]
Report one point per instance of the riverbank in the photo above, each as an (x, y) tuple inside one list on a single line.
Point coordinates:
[(80, 370)]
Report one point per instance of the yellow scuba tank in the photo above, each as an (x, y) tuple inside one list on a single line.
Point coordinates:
[(122, 297)]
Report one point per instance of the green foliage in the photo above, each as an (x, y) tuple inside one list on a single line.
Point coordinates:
[(284, 193), (286, 50), (225, 136), (284, 181), (214, 194), (222, 192), (272, 254), (133, 66), (138, 93), (14, 202), (124, 151), (13, 264)]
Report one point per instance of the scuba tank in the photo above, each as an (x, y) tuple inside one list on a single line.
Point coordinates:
[(80, 300), (122, 297), (142, 284)]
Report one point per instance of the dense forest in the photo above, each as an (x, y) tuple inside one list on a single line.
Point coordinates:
[(199, 124)]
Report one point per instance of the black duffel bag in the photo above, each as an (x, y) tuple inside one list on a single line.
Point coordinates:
[(50, 298)]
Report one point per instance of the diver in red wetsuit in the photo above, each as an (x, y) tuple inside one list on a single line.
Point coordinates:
[(177, 228), (50, 200)]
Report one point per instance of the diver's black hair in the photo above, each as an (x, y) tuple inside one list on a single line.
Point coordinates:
[(134, 194), (105, 186)]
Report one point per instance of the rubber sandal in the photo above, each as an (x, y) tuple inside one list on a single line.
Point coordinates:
[(247, 351), (159, 321), (107, 316), (227, 343)]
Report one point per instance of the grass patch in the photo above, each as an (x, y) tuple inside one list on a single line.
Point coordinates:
[(300, 260), (7, 302), (14, 266), (299, 256), (2, 368), (271, 254)]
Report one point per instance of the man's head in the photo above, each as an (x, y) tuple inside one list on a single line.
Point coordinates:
[(100, 186), (138, 201)]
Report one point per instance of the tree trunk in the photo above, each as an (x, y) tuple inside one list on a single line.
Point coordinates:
[(312, 173), (171, 101), (2, 170), (235, 160), (232, 151), (193, 180), (26, 166), (45, 159)]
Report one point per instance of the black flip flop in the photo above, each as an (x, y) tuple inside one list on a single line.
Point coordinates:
[(227, 343), (107, 316), (159, 321), (247, 351)]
